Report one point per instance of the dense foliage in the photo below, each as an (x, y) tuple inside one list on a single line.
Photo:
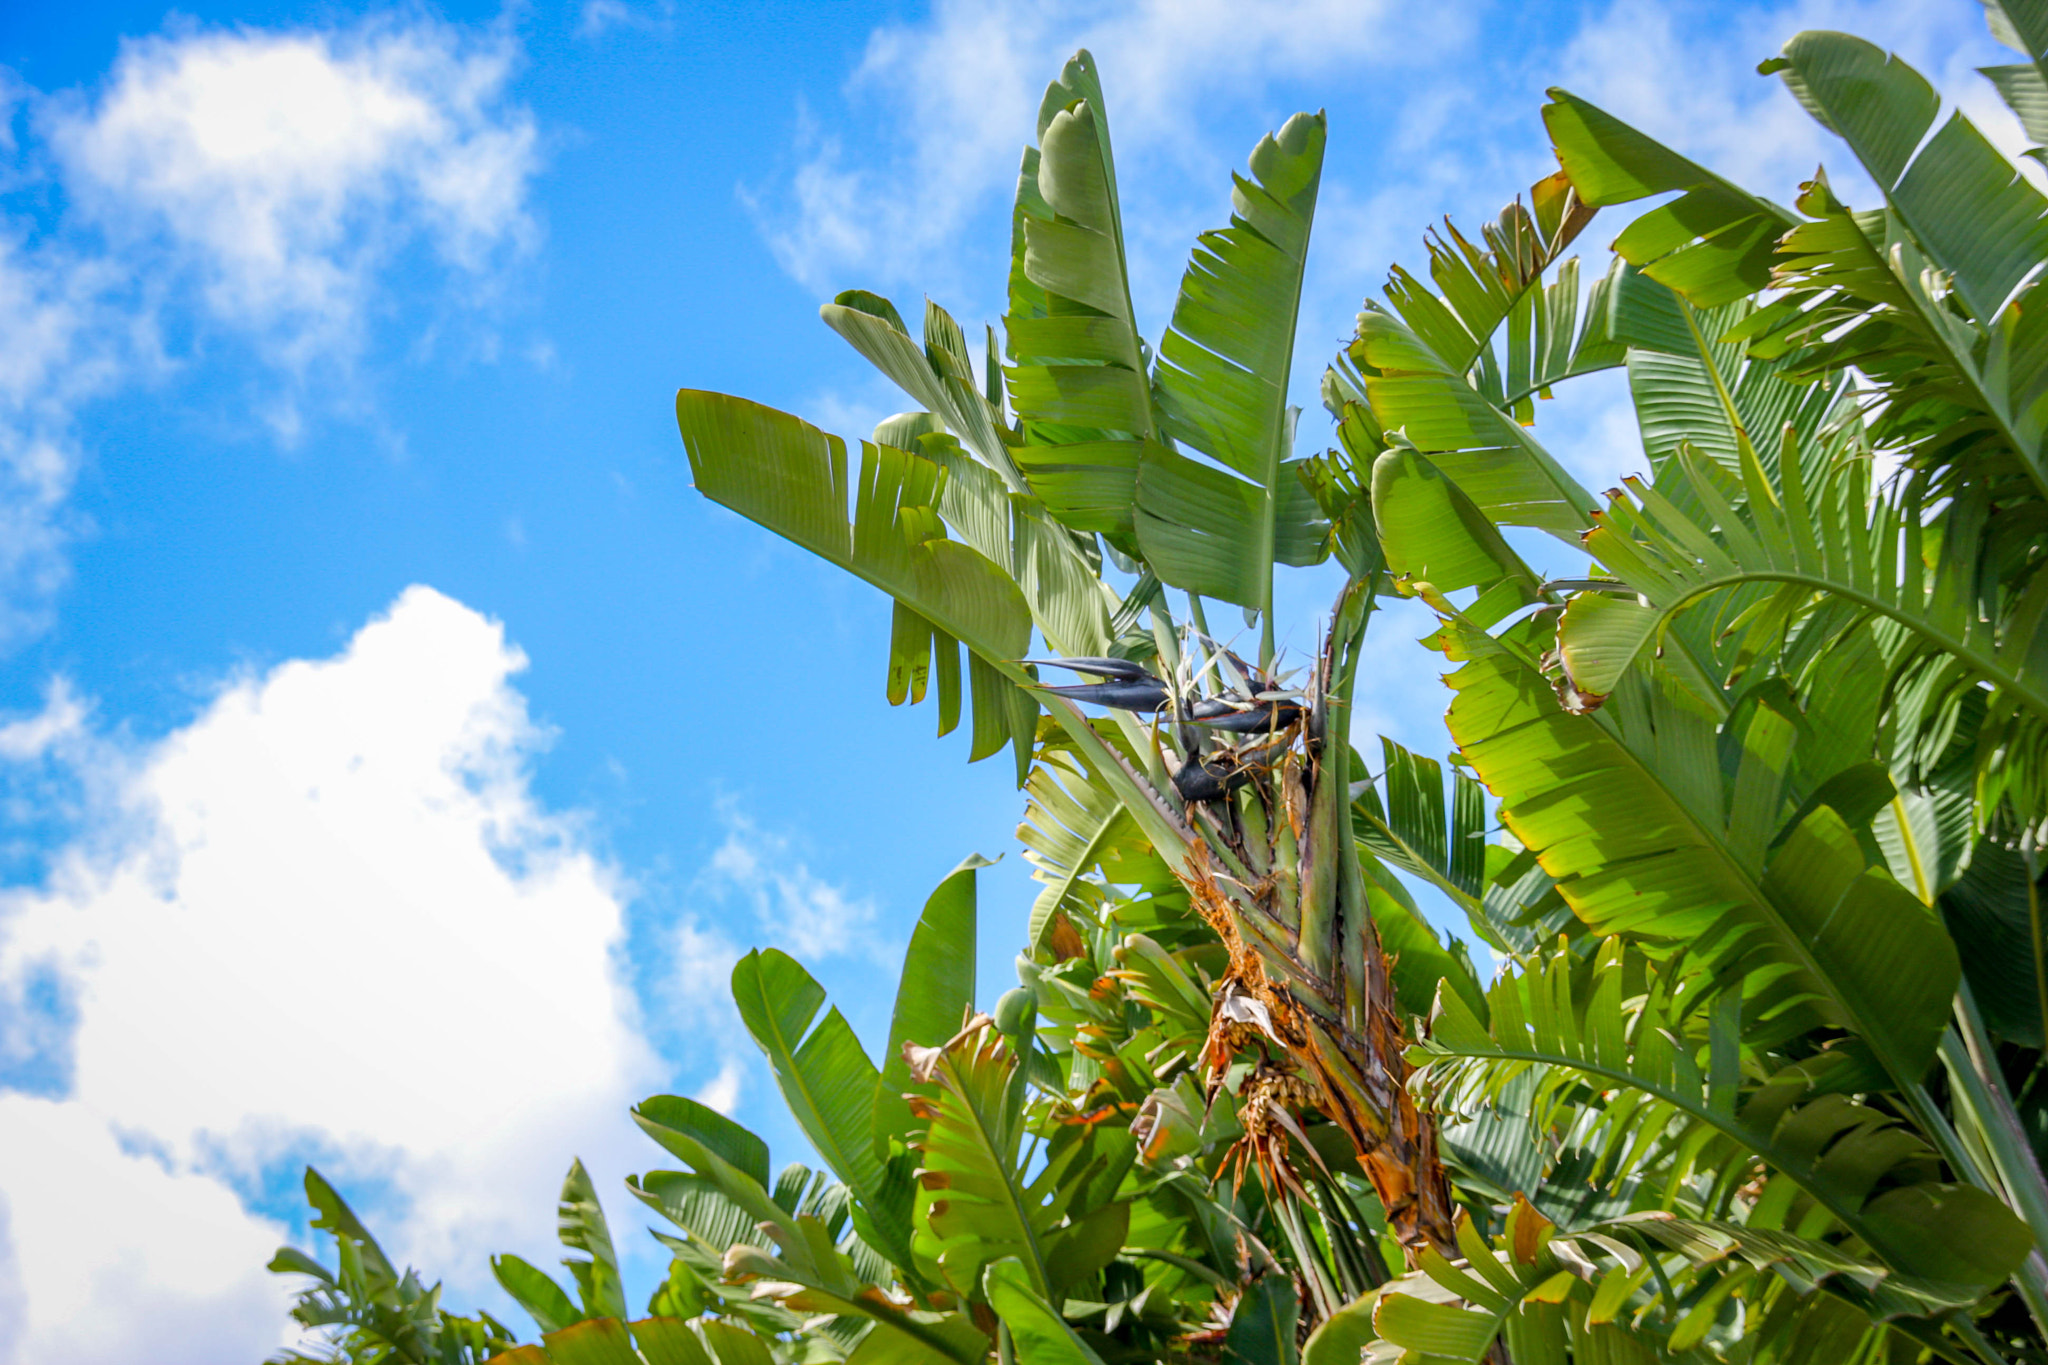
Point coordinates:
[(1748, 809)]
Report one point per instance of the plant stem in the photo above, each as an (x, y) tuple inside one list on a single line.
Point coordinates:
[(2028, 858), (1307, 1254), (1973, 1070), (1973, 1336)]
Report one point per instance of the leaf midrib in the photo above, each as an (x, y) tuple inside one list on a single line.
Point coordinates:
[(1800, 1172), (1713, 842), (1014, 1197), (1984, 664), (835, 1157)]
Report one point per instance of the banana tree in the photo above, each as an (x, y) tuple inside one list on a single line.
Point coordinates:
[(969, 1169), (1748, 813), (364, 1310), (1738, 745), (1182, 468)]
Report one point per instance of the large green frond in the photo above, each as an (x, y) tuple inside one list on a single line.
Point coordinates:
[(830, 1085), (935, 994), (581, 1226), (1223, 376), (1971, 210), (1761, 571), (1713, 244), (789, 476), (1630, 812), (1627, 1063)]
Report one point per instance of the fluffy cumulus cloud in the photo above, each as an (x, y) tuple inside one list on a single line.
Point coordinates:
[(244, 183), (326, 919)]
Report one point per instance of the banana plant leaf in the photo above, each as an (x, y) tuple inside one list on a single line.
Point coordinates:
[(1714, 244), (1224, 369), (831, 1087), (935, 994), (1670, 1116)]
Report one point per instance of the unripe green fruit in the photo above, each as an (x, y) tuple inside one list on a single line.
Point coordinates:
[(1016, 1011)]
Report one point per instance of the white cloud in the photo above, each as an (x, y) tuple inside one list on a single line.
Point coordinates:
[(797, 910), (59, 345), (722, 1092), (36, 474), (272, 181), (754, 890), (1688, 76), (600, 17), (961, 93), (336, 922), (696, 995), (118, 1258), (286, 167), (939, 108)]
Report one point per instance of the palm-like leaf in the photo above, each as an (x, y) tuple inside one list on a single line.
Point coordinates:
[(1956, 207), (1630, 1031), (792, 478), (1454, 372), (1410, 827), (976, 1202), (1438, 409), (938, 375), (1041, 1335), (581, 1226), (971, 1200), (831, 1088), (1971, 211), (936, 992), (1077, 829), (1637, 1291), (1646, 839), (2022, 25), (1713, 244), (1763, 568), (1071, 327), (365, 1310), (1223, 376), (1078, 382), (789, 476)]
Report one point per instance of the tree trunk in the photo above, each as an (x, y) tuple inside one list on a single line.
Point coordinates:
[(1359, 1073)]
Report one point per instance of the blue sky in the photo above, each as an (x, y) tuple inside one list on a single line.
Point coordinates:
[(394, 750)]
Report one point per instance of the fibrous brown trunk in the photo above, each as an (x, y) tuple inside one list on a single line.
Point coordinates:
[(1344, 1036)]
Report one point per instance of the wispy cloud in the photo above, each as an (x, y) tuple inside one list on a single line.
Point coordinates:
[(61, 343), (1687, 74), (284, 169), (600, 17), (244, 184), (756, 889), (888, 194), (949, 100), (798, 911)]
